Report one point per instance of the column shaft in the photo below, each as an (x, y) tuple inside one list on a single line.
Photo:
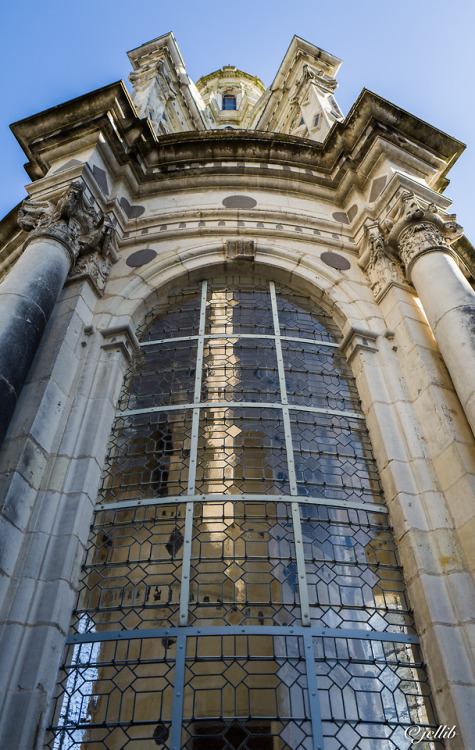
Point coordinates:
[(27, 298), (449, 303)]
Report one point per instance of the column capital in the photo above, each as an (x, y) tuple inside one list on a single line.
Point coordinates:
[(419, 228), (85, 232)]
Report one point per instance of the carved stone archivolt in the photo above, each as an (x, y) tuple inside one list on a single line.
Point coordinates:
[(86, 233), (382, 268)]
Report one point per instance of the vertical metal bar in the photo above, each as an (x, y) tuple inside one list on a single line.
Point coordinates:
[(297, 526), (201, 335), (178, 690), (188, 535), (186, 565), (312, 687)]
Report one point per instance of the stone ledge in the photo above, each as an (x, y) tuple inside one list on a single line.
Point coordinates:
[(122, 338), (355, 338)]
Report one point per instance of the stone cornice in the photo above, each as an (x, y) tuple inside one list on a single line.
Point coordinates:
[(110, 111)]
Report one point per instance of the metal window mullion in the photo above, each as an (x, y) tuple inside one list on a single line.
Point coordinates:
[(297, 526), (178, 690), (312, 686), (188, 535)]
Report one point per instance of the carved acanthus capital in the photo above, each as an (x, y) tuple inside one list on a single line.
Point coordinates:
[(86, 233), (420, 238), (382, 268), (417, 228)]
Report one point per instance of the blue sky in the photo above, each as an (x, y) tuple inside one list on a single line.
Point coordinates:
[(419, 54)]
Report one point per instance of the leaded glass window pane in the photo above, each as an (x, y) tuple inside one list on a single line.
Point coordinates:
[(241, 586)]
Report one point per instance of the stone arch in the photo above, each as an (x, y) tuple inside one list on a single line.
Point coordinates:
[(299, 270)]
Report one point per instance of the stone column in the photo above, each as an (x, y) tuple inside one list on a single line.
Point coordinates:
[(67, 237), (423, 240)]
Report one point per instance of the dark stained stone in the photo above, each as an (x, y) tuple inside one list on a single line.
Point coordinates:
[(336, 261), (132, 212), (239, 201), (352, 212), (68, 165), (141, 257), (29, 294), (341, 217), (101, 179), (377, 187)]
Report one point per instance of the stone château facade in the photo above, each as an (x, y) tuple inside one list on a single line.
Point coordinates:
[(238, 410)]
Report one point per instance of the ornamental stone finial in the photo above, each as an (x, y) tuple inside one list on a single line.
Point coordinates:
[(85, 232)]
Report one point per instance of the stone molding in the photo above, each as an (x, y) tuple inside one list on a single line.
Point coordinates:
[(355, 339), (240, 249), (86, 233), (121, 338), (417, 229)]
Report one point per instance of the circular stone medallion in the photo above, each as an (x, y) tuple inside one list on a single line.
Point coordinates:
[(336, 261), (141, 257)]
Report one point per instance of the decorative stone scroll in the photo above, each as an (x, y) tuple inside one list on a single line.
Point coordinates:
[(240, 249), (86, 233)]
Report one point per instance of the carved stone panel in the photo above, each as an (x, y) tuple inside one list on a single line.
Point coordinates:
[(238, 249), (383, 268)]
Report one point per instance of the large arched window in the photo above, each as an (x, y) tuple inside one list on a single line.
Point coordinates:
[(241, 587)]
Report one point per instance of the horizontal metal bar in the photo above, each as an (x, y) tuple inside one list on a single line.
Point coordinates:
[(276, 630), (172, 499), (242, 405), (143, 344), (317, 342)]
